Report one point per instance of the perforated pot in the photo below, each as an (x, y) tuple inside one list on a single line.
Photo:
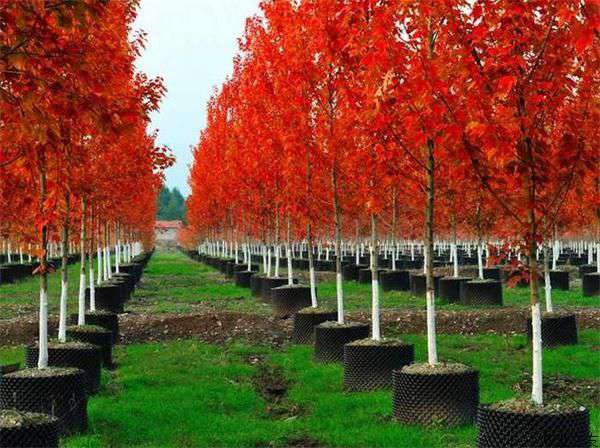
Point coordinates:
[(448, 398), (557, 329), (330, 339), (503, 428), (305, 321), (368, 365), (287, 300), (30, 430), (58, 392)]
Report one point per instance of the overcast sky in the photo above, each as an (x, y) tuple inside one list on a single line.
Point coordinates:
[(191, 44)]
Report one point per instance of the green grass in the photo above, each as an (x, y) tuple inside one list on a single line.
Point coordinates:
[(192, 394), (174, 283), (189, 283)]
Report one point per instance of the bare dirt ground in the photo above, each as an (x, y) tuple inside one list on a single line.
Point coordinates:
[(220, 327)]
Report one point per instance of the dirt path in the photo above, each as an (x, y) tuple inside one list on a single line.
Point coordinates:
[(225, 326)]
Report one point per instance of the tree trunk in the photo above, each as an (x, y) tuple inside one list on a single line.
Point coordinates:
[(311, 267), (375, 280), (43, 317), (338, 248), (430, 287), (82, 273), (64, 274), (547, 283)]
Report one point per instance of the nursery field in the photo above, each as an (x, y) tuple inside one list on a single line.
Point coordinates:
[(251, 391), (173, 283)]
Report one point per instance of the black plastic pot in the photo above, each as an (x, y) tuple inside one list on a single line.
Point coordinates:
[(450, 288), (127, 279), (449, 398), (395, 280), (481, 293), (557, 329), (305, 321), (6, 275), (364, 275), (256, 284), (242, 278), (418, 282), (33, 430), (95, 335), (101, 318), (287, 300), (350, 271), (493, 274), (109, 298), (87, 357), (502, 428), (591, 284), (268, 283), (368, 365), (586, 269), (59, 392), (559, 280), (330, 339)]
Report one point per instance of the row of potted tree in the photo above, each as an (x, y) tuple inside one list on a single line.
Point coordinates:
[(74, 146), (426, 115)]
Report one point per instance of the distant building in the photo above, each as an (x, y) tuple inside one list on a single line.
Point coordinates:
[(166, 232)]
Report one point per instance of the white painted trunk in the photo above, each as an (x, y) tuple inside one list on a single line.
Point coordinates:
[(479, 262), (81, 298), (92, 289), (264, 255), (313, 287), (431, 338), (375, 308), (43, 330), (536, 378), (290, 271), (277, 261), (340, 297), (455, 251), (548, 292), (597, 257), (100, 269), (62, 318), (393, 260)]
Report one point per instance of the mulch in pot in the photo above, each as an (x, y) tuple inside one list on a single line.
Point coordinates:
[(446, 394), (520, 423), (81, 355), (28, 429), (96, 335), (368, 364), (558, 328), (330, 338), (305, 321), (56, 391)]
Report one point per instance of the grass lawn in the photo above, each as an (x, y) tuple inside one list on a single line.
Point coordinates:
[(192, 394), (174, 283)]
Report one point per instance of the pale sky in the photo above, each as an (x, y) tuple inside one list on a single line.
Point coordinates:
[(191, 44)]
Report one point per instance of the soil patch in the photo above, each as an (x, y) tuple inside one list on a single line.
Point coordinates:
[(272, 385)]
